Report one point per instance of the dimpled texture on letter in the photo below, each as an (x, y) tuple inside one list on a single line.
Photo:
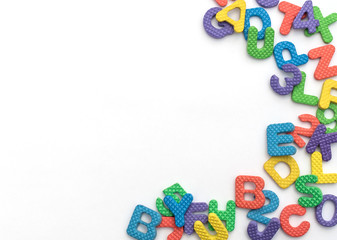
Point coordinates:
[(228, 216), (295, 58), (225, 30), (267, 50), (311, 24), (169, 222), (273, 139), (317, 169), (239, 25), (267, 234), (136, 220), (321, 117), (221, 231), (179, 209), (307, 132), (268, 3), (290, 12), (322, 140), (326, 97), (240, 191), (316, 193), (298, 231), (323, 27), (299, 96), (256, 214), (319, 210), (170, 191), (191, 218), (222, 3), (284, 183), (263, 15), (323, 70), (290, 82)]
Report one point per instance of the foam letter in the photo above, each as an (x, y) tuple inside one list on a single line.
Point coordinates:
[(179, 209), (273, 139), (222, 233), (317, 169), (316, 193), (240, 192), (228, 216), (298, 231)]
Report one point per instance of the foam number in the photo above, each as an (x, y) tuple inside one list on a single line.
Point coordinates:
[(325, 53), (321, 117), (256, 214), (290, 82), (323, 141), (239, 25), (307, 132), (288, 211), (228, 216), (263, 15), (267, 234), (324, 24), (225, 28), (311, 24), (273, 139), (290, 12), (213, 219), (284, 183), (317, 169), (316, 193), (326, 97), (170, 191), (319, 210), (295, 58), (179, 209), (299, 96), (268, 3), (267, 50), (169, 222), (136, 221), (240, 192), (191, 218)]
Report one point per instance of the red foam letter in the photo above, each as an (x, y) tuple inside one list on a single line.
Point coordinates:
[(170, 223), (294, 209), (240, 192)]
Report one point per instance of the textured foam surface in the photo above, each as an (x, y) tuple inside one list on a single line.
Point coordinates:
[(307, 132), (263, 15), (179, 209), (326, 97), (240, 191), (290, 82), (317, 169), (311, 23), (316, 193), (301, 229), (323, 141), (225, 28), (191, 218), (257, 214), (320, 114), (267, 234), (299, 96), (136, 220), (323, 28), (239, 25), (284, 183), (290, 12), (296, 59), (170, 191), (222, 3), (273, 139), (220, 229), (319, 209), (169, 222), (325, 53), (228, 215), (267, 50), (268, 3)]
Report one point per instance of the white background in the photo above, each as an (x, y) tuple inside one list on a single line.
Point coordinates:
[(106, 103)]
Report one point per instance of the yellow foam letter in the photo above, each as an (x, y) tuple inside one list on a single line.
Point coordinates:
[(326, 97), (213, 219), (239, 25), (317, 169), (269, 166)]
